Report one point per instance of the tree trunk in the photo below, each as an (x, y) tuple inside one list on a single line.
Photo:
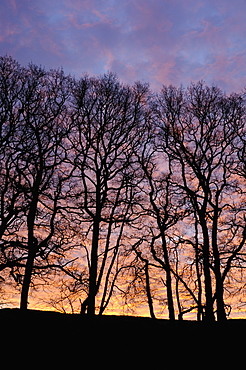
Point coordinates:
[(209, 312), (170, 295), (27, 280), (83, 307), (93, 269), (221, 314), (168, 278), (32, 249), (198, 274), (148, 292), (199, 296)]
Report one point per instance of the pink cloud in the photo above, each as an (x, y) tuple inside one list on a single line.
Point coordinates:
[(157, 41), (13, 5)]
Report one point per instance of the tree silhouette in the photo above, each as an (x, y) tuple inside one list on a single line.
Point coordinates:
[(107, 123), (13, 203), (109, 191), (199, 128), (32, 170)]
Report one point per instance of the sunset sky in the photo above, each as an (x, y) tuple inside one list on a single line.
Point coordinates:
[(155, 41)]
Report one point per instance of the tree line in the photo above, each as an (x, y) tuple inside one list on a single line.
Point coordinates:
[(112, 190)]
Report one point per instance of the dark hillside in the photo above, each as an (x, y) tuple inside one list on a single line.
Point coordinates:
[(115, 341)]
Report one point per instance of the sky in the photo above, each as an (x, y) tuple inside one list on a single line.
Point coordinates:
[(161, 42)]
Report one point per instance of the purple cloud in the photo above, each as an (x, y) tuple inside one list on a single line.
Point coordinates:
[(159, 41)]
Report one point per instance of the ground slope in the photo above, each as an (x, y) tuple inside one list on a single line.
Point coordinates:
[(49, 340)]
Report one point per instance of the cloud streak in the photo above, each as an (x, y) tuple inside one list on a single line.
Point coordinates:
[(161, 42)]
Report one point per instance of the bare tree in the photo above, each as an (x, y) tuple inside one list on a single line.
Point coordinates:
[(12, 201), (198, 129), (110, 191), (33, 169), (157, 209), (41, 161), (107, 127)]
